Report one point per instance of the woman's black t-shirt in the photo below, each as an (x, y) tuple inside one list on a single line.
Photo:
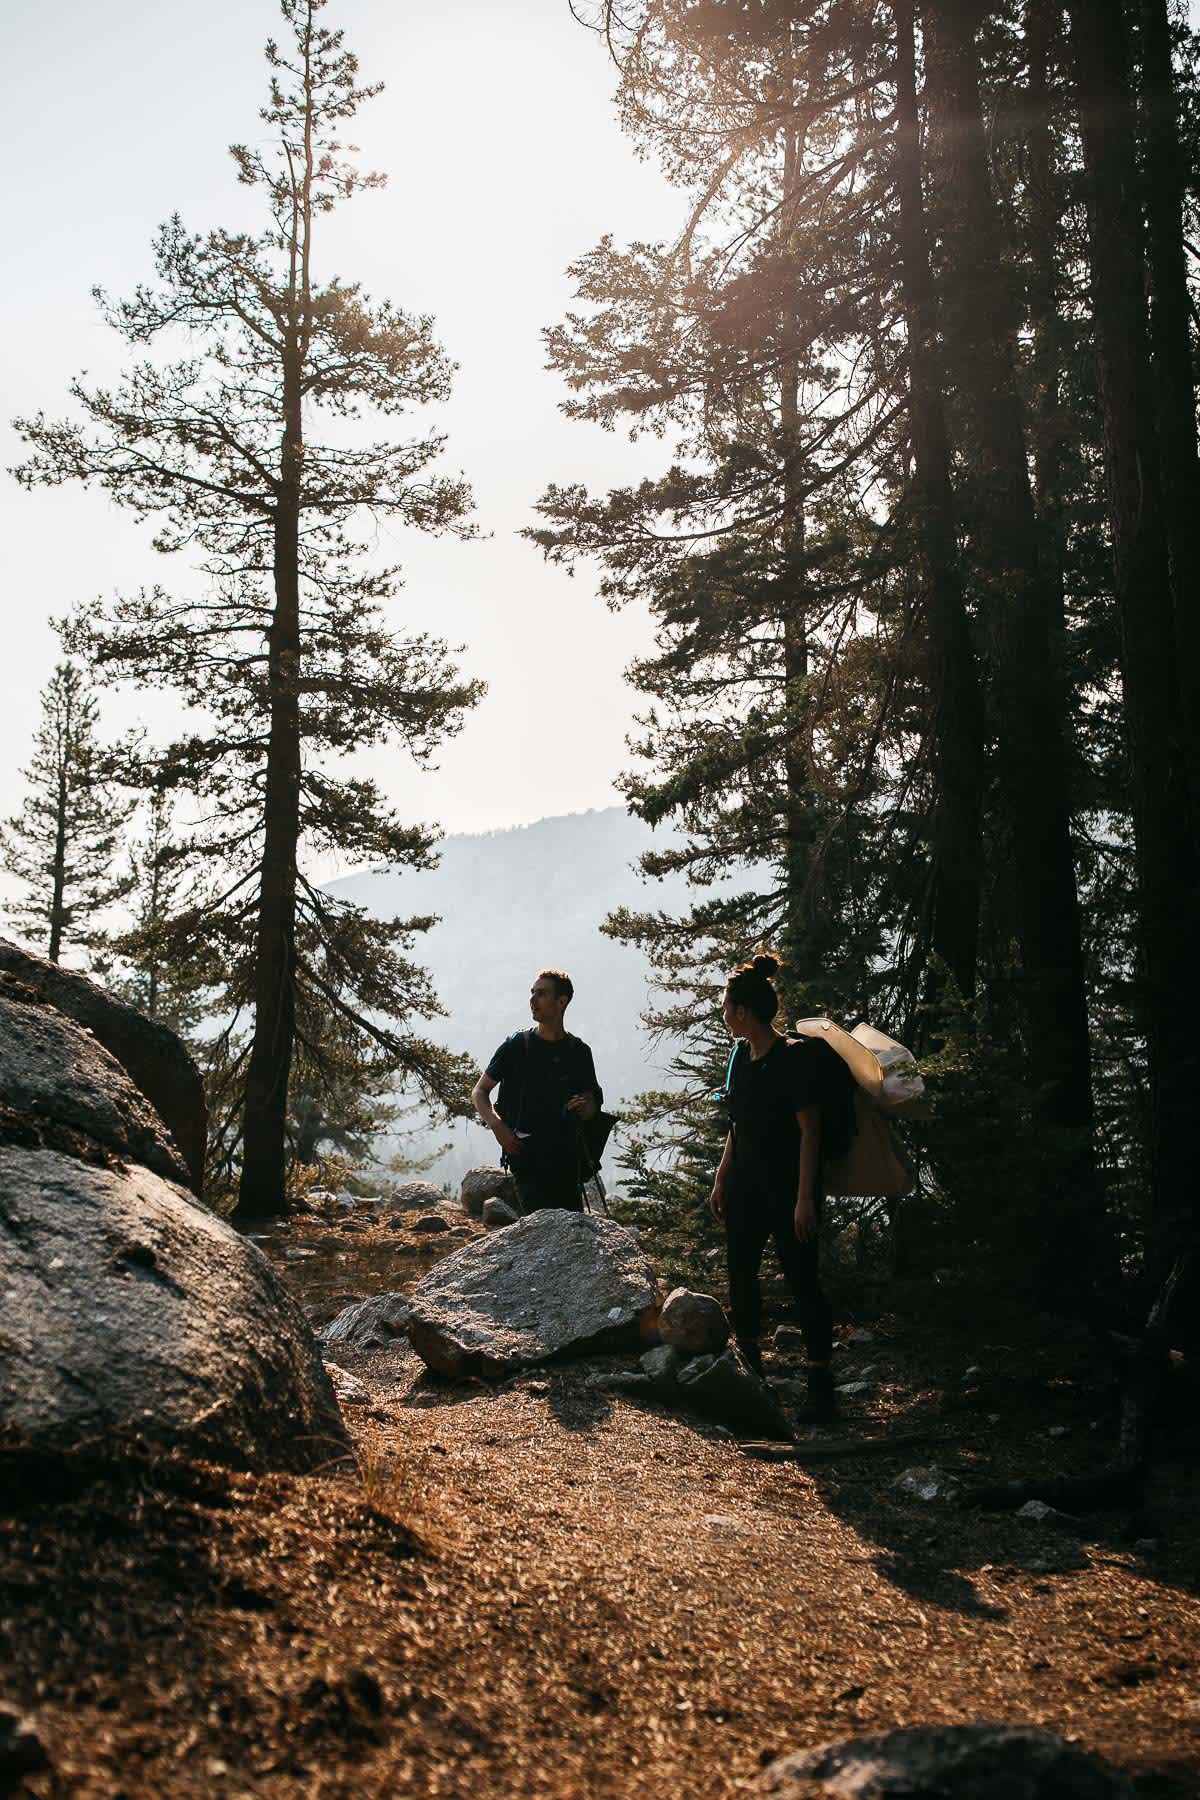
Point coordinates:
[(764, 1097)]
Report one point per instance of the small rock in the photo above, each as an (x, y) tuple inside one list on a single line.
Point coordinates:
[(1057, 1431), (724, 1388), (348, 1388), (694, 1323), (856, 1389), (297, 1253), (722, 1522), (788, 1337), (928, 1484), (1038, 1512), (414, 1196), (663, 1363), (21, 1748), (859, 1334), (972, 1374), (369, 1324), (984, 1761), (484, 1184), (497, 1213), (430, 1222)]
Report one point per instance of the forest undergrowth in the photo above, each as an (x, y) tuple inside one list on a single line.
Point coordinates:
[(538, 1588)]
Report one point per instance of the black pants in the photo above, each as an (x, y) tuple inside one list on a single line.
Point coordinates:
[(545, 1183), (750, 1220)]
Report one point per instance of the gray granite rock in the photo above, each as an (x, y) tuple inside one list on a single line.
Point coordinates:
[(931, 1484), (663, 1363), (725, 1389), (56, 1077), (369, 1324), (943, 1762), (485, 1183), (498, 1213), (414, 1196), (430, 1223), (154, 1059), (553, 1283), (694, 1323), (131, 1311)]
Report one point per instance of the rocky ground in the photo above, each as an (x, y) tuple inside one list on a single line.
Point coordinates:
[(541, 1588)]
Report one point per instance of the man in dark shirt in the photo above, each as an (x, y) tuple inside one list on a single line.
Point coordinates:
[(548, 1087)]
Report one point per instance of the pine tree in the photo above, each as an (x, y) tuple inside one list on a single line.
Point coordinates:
[(65, 844), (286, 651), (150, 968)]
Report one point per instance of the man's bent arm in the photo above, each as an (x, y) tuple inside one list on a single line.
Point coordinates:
[(481, 1099)]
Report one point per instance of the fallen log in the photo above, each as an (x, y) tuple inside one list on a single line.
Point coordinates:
[(763, 1450)]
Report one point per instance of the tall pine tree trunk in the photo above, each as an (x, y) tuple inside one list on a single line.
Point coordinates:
[(59, 871), (261, 1191), (1174, 388), (979, 322), (1045, 207), (955, 697), (1150, 652)]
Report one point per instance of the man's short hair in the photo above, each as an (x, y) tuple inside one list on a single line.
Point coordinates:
[(562, 982)]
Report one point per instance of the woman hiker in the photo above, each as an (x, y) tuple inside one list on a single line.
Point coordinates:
[(791, 1108)]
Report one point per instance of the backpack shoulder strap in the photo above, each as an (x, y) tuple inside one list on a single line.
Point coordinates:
[(722, 1092)]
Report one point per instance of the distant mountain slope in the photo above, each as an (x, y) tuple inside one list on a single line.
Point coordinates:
[(513, 902)]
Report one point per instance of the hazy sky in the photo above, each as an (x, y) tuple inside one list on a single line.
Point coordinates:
[(505, 161)]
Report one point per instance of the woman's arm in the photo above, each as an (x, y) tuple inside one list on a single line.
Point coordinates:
[(809, 1120), (716, 1200)]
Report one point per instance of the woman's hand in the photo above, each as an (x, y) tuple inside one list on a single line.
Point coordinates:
[(583, 1105), (806, 1218), (716, 1202)]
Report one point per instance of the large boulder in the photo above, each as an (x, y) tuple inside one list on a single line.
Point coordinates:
[(369, 1324), (553, 1283), (483, 1184), (58, 1082), (694, 1323), (131, 1311), (151, 1055), (941, 1762)]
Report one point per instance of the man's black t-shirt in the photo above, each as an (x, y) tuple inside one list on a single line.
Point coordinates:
[(537, 1077), (764, 1098)]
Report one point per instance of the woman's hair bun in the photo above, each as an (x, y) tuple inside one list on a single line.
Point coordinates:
[(765, 964)]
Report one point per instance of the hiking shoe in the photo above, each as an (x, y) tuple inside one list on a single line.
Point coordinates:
[(750, 1351), (821, 1407)]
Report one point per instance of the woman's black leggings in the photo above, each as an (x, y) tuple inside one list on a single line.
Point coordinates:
[(749, 1222)]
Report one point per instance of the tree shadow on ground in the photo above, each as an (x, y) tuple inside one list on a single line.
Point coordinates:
[(1042, 1410)]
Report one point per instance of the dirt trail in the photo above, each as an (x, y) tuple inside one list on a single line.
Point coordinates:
[(546, 1591)]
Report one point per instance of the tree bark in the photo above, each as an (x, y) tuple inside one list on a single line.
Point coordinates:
[(261, 1189), (1045, 208), (54, 951), (1166, 859), (980, 321), (957, 725), (1171, 344)]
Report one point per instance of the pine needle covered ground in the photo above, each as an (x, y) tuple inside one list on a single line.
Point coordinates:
[(544, 1590)]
